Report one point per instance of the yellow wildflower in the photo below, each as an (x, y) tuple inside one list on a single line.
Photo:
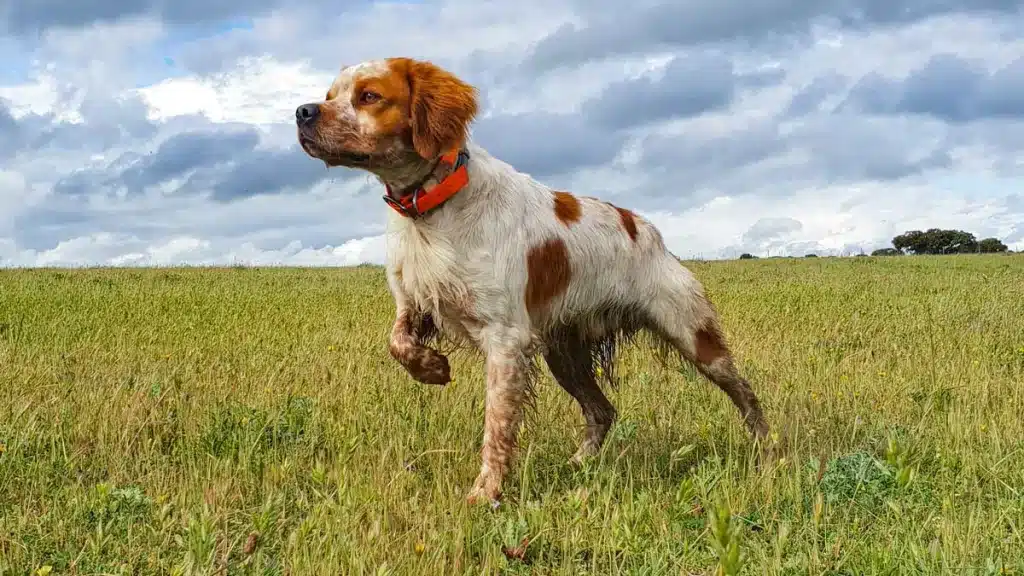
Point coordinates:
[(419, 547)]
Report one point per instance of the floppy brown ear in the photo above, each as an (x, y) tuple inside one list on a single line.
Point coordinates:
[(441, 106)]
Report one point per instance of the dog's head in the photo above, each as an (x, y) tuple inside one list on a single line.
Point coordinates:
[(385, 114)]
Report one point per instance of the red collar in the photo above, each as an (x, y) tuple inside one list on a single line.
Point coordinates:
[(421, 201)]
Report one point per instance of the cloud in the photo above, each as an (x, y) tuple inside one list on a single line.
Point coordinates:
[(689, 86), (106, 249), (34, 16), (771, 229), (10, 131), (947, 87), (657, 26), (546, 144), (227, 164)]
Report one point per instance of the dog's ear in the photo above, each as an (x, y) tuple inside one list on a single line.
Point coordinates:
[(441, 106)]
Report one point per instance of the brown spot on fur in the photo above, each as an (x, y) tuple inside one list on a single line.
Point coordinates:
[(709, 344), (548, 274), (390, 112), (628, 221), (331, 94), (567, 208), (440, 104)]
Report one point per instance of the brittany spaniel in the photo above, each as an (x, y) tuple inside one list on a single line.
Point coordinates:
[(485, 255)]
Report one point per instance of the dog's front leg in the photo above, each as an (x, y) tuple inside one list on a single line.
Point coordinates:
[(424, 364), (408, 333), (507, 386)]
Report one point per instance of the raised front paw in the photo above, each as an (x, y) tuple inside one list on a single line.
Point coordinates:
[(430, 367), (486, 490)]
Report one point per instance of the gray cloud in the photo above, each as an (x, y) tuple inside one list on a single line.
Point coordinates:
[(771, 228), (1016, 235), (190, 153), (32, 16), (611, 31), (10, 131), (690, 86), (106, 122), (701, 161), (187, 151), (849, 148), (810, 98), (946, 87), (269, 171), (225, 163), (817, 150), (546, 144)]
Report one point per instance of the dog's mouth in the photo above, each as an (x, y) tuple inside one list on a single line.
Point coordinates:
[(333, 157)]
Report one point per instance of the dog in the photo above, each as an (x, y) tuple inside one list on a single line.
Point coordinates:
[(483, 254)]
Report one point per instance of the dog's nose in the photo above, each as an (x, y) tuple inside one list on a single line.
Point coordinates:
[(306, 114)]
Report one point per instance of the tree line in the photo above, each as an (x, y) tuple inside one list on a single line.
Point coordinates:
[(940, 241), (931, 241)]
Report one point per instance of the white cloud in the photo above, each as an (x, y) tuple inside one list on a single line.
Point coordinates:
[(878, 213), (105, 249), (257, 91)]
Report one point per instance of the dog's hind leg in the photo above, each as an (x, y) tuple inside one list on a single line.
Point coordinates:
[(569, 358), (683, 317)]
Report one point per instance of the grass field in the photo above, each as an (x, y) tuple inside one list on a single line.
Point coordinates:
[(240, 421)]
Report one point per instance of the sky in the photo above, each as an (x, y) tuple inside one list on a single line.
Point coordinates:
[(160, 132)]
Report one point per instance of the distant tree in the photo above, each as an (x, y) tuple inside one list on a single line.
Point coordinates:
[(747, 256), (991, 245), (812, 255), (936, 241), (886, 252)]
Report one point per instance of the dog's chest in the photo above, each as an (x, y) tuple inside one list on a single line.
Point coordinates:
[(429, 267)]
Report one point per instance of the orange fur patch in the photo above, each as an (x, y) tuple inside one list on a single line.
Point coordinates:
[(628, 221), (548, 274), (390, 113), (441, 105), (328, 114), (567, 208), (709, 344)]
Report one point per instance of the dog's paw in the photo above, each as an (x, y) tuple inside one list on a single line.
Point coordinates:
[(480, 495), (431, 367)]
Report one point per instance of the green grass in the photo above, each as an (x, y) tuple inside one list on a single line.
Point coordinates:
[(240, 421)]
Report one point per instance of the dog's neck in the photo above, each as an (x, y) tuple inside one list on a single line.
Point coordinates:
[(411, 176)]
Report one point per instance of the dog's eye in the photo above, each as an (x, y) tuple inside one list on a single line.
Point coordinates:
[(368, 97)]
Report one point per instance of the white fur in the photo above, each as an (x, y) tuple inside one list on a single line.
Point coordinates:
[(343, 99)]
